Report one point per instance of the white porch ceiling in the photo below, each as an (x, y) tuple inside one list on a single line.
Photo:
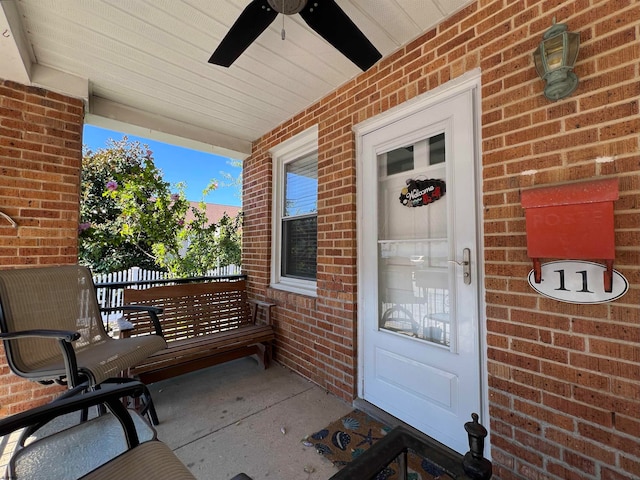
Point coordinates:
[(141, 65)]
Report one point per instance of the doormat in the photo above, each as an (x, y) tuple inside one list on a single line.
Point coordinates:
[(350, 436)]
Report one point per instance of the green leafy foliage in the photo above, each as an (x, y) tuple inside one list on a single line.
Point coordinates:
[(131, 217)]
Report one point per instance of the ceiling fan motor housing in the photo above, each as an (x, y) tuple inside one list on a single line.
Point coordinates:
[(287, 7)]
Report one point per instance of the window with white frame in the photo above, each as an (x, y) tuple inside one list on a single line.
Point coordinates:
[(295, 213)]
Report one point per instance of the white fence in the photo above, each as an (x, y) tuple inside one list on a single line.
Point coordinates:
[(113, 297), (137, 274), (134, 274)]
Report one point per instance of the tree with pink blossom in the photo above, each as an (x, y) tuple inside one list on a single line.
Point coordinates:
[(131, 217)]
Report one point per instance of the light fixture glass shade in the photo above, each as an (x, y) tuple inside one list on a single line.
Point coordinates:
[(554, 60)]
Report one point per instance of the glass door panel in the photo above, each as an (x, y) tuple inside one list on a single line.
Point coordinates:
[(413, 246)]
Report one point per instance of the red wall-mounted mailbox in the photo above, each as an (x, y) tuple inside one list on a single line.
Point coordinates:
[(572, 222)]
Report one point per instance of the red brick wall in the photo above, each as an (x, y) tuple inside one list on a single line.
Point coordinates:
[(40, 161), (564, 380)]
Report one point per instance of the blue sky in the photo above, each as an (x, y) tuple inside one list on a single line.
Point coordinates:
[(178, 164)]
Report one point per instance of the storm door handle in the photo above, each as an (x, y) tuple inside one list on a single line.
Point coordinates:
[(465, 264)]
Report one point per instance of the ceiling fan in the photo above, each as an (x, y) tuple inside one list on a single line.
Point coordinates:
[(324, 16)]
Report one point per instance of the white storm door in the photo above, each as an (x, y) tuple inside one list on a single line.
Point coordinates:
[(418, 282)]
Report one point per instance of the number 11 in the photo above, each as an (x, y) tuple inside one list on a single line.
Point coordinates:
[(585, 288)]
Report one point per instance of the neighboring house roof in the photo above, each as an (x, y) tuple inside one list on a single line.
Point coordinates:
[(215, 211)]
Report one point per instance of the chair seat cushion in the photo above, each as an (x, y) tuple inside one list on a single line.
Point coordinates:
[(67, 449), (121, 354), (106, 359), (148, 460)]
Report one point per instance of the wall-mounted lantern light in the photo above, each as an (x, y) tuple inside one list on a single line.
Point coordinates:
[(555, 58)]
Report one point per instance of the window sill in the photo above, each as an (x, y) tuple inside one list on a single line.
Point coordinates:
[(302, 288)]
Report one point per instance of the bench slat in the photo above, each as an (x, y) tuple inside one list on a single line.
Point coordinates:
[(216, 342), (196, 363)]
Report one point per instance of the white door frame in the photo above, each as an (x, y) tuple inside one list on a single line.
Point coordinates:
[(468, 81)]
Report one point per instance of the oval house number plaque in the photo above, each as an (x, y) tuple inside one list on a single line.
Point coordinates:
[(576, 281)]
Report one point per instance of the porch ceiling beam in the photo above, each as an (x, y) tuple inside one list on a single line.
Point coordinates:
[(123, 118), (18, 63), (60, 82), (15, 51)]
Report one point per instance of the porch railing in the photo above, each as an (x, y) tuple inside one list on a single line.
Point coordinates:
[(110, 287)]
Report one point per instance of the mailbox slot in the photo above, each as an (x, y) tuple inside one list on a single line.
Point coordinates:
[(572, 222)]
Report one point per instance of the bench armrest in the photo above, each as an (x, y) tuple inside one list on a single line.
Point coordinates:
[(153, 314), (256, 305), (64, 337)]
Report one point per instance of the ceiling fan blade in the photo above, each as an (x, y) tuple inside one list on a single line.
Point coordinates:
[(250, 24), (332, 24)]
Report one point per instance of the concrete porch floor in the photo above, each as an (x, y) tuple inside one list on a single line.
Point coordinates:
[(228, 419)]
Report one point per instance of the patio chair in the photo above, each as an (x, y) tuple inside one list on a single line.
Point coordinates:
[(52, 330), (118, 444)]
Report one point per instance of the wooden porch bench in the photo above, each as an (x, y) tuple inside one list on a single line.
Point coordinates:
[(204, 324)]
